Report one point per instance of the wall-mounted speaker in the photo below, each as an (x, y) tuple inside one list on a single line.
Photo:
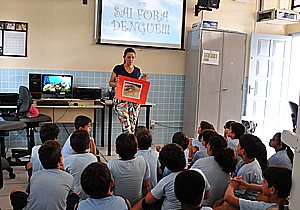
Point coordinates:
[(35, 85)]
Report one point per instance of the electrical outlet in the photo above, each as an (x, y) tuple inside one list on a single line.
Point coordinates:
[(151, 127), (152, 122)]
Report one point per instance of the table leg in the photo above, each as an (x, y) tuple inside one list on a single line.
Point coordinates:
[(102, 126), (95, 125), (148, 117), (109, 130)]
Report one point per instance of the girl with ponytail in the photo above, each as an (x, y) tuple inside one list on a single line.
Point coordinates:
[(283, 156), (217, 167)]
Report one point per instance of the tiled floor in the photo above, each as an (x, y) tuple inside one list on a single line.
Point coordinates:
[(21, 180)]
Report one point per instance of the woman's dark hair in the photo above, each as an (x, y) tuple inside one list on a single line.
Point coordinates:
[(285, 147), (224, 156), (128, 50), (254, 149)]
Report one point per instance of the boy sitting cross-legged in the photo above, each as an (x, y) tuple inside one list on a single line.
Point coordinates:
[(50, 188), (96, 182), (76, 163), (276, 185)]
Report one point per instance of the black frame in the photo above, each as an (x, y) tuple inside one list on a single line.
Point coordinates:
[(57, 93), (98, 40), (3, 29)]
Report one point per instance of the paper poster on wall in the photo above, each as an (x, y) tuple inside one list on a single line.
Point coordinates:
[(210, 57), (13, 36)]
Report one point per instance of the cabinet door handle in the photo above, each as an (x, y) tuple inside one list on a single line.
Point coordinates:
[(225, 89)]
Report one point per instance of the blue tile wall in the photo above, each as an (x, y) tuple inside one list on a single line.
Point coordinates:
[(166, 91)]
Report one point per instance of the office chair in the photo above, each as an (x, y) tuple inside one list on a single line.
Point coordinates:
[(294, 109), (23, 105)]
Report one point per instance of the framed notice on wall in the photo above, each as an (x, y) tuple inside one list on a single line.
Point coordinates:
[(13, 38)]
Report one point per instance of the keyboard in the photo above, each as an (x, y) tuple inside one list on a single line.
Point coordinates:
[(52, 103)]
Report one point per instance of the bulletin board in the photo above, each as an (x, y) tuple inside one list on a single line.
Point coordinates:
[(13, 38)]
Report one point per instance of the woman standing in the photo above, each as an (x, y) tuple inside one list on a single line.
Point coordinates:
[(127, 112)]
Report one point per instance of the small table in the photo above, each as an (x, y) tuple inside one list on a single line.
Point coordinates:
[(110, 108)]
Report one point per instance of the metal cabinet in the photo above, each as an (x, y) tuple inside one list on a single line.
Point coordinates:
[(215, 67)]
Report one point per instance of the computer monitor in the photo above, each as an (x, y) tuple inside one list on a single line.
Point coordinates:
[(57, 85)]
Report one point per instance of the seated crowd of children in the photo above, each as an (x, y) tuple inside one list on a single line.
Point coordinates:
[(212, 171)]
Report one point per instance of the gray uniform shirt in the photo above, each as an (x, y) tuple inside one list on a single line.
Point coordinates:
[(152, 160), (217, 178), (74, 165), (129, 176), (49, 189)]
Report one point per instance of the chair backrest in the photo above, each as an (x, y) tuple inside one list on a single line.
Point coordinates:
[(25, 100)]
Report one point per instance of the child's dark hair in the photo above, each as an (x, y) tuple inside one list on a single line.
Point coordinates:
[(249, 143), (95, 180), (280, 178), (129, 50), (228, 123), (189, 187), (49, 154), (238, 129), (224, 156), (206, 125), (80, 140), (139, 129), (81, 121), (181, 139), (255, 149), (206, 134), (49, 131), (284, 147), (262, 155), (172, 156), (144, 139), (126, 145)]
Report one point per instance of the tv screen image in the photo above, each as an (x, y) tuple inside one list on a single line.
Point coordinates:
[(153, 23), (57, 84)]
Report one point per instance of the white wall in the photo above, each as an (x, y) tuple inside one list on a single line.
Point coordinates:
[(61, 35)]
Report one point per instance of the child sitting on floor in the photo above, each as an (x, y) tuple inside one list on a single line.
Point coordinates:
[(50, 188), (96, 182), (189, 189), (144, 139), (131, 174), (251, 172), (81, 123), (48, 131), (276, 185), (76, 163), (173, 158)]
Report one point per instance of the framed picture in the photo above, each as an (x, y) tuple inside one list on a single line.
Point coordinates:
[(132, 90)]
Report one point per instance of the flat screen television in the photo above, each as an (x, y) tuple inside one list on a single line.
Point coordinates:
[(150, 23), (57, 85)]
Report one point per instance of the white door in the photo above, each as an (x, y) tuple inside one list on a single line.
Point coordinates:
[(268, 83)]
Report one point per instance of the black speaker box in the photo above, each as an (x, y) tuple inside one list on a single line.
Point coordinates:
[(87, 93), (209, 3), (35, 85)]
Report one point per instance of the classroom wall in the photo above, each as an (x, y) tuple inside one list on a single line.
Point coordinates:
[(61, 40)]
